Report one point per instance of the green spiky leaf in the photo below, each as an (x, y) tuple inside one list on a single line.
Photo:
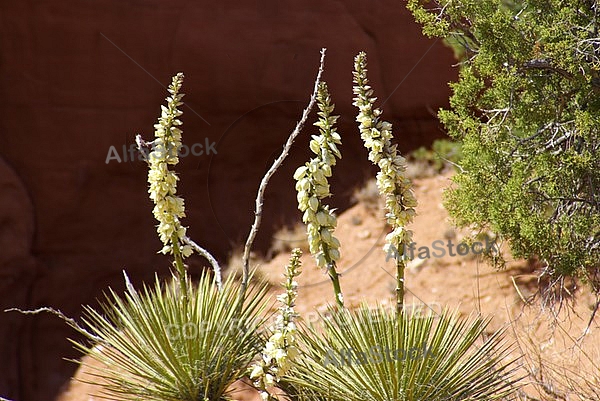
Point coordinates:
[(155, 348), (374, 354)]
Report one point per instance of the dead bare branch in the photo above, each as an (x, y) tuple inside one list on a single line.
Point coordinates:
[(265, 180)]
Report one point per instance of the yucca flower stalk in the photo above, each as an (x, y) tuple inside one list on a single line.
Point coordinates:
[(176, 341), (392, 181), (168, 207), (280, 350), (312, 187)]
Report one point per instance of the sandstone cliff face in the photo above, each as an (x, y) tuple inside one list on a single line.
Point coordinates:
[(80, 77)]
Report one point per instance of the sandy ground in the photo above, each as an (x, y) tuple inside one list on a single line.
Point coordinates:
[(463, 282)]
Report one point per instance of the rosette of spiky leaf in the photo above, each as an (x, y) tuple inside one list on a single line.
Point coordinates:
[(280, 350), (312, 187), (150, 348), (376, 354), (392, 181)]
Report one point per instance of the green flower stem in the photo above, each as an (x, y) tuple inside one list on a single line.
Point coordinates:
[(334, 276), (337, 289), (400, 266), (180, 270)]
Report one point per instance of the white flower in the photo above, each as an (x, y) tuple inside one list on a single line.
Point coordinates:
[(320, 259), (391, 179), (269, 380), (280, 351), (313, 203), (300, 172), (256, 372), (169, 208), (312, 184), (334, 254)]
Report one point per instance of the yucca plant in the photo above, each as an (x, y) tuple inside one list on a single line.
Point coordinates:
[(355, 356), (153, 348), (178, 341), (377, 354)]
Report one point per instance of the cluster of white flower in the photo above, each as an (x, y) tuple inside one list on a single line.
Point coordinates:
[(280, 351), (169, 208), (312, 185), (391, 178)]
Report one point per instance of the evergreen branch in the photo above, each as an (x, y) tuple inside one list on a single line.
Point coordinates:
[(543, 64)]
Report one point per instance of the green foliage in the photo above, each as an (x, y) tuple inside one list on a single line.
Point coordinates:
[(443, 153), (152, 347), (527, 110), (377, 354)]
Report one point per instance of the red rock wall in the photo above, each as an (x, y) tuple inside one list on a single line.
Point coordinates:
[(77, 77)]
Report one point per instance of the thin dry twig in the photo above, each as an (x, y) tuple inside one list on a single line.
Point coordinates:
[(525, 301), (265, 180), (213, 262), (555, 381), (587, 328), (71, 322)]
